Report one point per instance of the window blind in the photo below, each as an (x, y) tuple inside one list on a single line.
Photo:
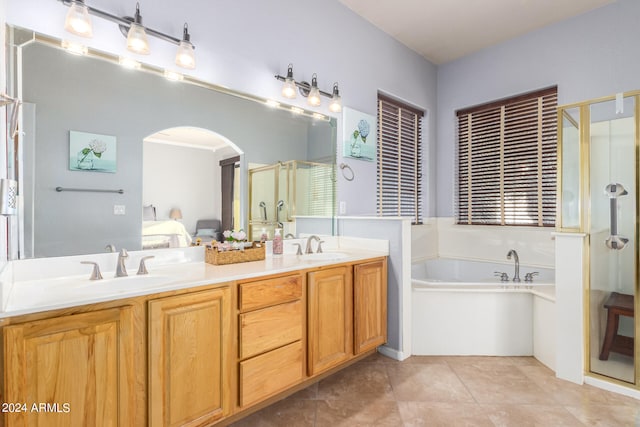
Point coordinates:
[(507, 161), (399, 157)]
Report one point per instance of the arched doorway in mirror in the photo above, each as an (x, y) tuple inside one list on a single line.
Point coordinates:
[(191, 186)]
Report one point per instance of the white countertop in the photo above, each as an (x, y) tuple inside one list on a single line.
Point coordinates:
[(49, 293)]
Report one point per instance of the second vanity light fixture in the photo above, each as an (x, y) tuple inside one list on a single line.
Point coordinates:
[(310, 91), (78, 22)]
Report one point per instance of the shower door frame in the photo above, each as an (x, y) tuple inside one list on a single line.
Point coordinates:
[(584, 221)]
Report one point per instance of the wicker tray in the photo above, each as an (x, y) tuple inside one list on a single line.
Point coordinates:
[(213, 256)]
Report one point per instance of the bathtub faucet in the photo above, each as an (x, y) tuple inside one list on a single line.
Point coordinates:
[(516, 277)]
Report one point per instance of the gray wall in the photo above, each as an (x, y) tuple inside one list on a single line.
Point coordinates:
[(104, 98), (592, 55)]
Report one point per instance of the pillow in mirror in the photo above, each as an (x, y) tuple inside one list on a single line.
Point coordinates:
[(206, 232)]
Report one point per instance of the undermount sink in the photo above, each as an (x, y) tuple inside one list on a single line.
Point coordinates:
[(324, 256), (67, 289)]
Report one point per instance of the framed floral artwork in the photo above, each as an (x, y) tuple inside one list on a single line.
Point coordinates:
[(92, 152), (359, 135)]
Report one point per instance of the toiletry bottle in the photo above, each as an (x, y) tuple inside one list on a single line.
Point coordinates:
[(263, 236), (277, 242)]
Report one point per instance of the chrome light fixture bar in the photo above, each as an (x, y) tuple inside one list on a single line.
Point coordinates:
[(78, 23), (309, 91)]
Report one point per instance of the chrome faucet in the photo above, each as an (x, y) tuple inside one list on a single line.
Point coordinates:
[(95, 274), (121, 270), (516, 276), (309, 250)]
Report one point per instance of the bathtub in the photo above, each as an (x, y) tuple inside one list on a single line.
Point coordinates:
[(460, 308)]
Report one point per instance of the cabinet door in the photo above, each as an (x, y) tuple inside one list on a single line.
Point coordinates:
[(77, 370), (188, 358), (330, 322), (370, 305)]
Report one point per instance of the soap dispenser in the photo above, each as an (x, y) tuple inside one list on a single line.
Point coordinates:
[(277, 242)]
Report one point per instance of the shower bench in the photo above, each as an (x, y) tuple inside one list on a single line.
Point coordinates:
[(617, 305)]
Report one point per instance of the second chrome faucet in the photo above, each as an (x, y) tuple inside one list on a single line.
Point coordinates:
[(512, 252)]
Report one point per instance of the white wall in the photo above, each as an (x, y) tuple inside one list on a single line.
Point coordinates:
[(173, 177), (242, 44), (589, 56)]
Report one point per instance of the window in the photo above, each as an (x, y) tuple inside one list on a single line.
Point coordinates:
[(507, 161), (399, 159)]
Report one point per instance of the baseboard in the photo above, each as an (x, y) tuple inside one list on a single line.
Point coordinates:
[(392, 353)]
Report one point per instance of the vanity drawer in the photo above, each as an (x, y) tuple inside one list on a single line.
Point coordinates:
[(263, 293), (270, 373), (269, 328)]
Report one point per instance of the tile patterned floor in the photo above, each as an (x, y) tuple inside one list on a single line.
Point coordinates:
[(448, 391)]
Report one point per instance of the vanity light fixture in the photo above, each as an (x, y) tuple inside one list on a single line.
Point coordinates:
[(185, 57), (137, 41), (310, 91), (78, 22), (289, 86), (335, 105), (313, 98)]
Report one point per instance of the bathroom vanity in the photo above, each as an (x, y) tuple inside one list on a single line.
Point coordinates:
[(209, 348)]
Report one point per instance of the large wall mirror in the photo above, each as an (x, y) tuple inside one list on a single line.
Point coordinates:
[(165, 157)]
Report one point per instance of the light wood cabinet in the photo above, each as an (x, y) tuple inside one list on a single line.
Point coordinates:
[(269, 373), (369, 305), (270, 334), (189, 358), (82, 365), (330, 318)]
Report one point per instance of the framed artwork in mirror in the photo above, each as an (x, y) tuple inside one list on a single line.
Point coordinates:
[(359, 135), (92, 152)]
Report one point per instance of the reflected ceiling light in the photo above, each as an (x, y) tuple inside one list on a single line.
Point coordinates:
[(129, 63), (74, 48), (310, 91), (297, 110), (185, 57), (173, 76), (272, 103), (335, 105), (318, 116), (78, 22), (137, 37)]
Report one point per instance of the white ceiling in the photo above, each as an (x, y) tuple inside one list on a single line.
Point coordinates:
[(444, 30)]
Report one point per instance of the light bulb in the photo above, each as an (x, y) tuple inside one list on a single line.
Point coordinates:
[(78, 21), (137, 37), (289, 86), (313, 98), (336, 102), (185, 57), (137, 40)]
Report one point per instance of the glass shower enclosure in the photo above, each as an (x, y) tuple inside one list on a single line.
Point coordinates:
[(598, 183)]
